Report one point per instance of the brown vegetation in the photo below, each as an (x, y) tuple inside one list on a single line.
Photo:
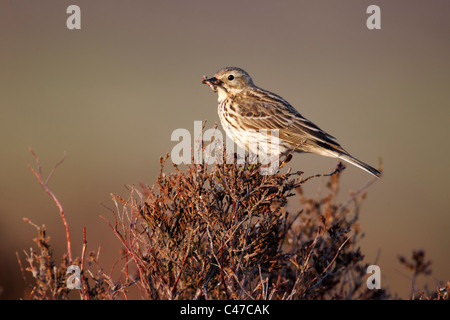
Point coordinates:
[(220, 232)]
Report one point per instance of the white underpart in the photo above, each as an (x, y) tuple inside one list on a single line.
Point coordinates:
[(263, 143), (222, 93)]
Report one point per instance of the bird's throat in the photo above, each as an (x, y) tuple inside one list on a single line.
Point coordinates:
[(221, 93)]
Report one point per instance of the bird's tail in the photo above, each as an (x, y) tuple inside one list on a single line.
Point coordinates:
[(360, 164)]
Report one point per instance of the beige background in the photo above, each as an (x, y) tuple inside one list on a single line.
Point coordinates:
[(111, 94)]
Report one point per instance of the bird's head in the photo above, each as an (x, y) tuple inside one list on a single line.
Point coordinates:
[(229, 81)]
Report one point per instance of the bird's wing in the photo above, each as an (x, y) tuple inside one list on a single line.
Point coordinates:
[(272, 112)]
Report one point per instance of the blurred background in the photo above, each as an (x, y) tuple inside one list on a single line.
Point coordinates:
[(111, 94)]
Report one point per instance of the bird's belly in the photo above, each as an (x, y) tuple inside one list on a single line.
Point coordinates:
[(263, 143), (259, 142)]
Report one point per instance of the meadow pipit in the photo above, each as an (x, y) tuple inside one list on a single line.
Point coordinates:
[(245, 109)]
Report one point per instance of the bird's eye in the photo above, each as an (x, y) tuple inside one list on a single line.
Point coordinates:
[(230, 77)]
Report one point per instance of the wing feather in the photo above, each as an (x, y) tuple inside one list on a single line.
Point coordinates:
[(269, 111)]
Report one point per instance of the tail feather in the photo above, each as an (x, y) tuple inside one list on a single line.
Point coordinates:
[(360, 164)]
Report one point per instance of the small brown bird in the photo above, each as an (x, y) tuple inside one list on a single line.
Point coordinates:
[(244, 109)]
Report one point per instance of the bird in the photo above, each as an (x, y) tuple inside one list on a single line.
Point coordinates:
[(245, 109)]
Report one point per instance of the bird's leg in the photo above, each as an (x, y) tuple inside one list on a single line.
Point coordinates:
[(268, 168), (286, 160)]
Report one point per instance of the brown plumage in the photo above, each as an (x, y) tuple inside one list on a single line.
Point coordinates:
[(245, 108)]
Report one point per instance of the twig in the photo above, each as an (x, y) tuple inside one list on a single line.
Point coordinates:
[(173, 289), (21, 267), (140, 265), (43, 184), (356, 194), (54, 168), (338, 169), (84, 294), (334, 258)]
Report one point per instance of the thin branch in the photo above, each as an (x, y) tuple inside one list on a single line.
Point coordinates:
[(355, 194), (84, 294), (54, 168), (43, 184), (338, 169), (334, 258), (21, 267)]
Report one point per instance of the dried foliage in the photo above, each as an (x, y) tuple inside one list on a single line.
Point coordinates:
[(49, 279), (222, 232), (417, 266)]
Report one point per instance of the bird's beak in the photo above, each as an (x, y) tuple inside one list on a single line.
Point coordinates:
[(212, 80)]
